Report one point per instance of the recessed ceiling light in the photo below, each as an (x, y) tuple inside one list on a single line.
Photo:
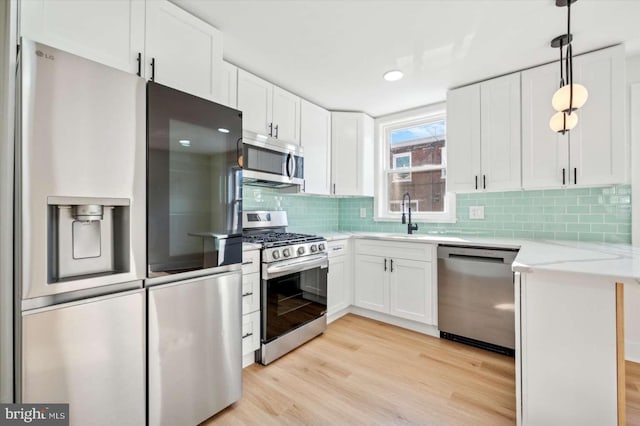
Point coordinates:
[(223, 130), (393, 75), (184, 142)]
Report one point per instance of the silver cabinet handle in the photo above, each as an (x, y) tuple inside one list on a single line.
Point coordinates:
[(249, 262), (247, 294), (276, 128), (247, 335)]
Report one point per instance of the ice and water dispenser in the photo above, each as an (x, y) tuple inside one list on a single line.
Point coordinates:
[(87, 237)]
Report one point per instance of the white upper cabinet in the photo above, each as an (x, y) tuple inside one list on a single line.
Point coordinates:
[(254, 100), (598, 146), (595, 151), (108, 31), (131, 35), (352, 153), (483, 136), (500, 133), (182, 51), (268, 109), (545, 153), (463, 138), (315, 138), (229, 93), (286, 115)]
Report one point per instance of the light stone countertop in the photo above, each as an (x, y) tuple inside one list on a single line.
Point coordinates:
[(620, 262), (250, 246)]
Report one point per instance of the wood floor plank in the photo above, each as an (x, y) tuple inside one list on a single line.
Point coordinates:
[(362, 371)]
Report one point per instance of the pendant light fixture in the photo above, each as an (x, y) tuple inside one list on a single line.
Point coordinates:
[(570, 96)]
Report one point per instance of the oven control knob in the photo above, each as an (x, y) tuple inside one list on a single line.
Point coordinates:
[(314, 248), (321, 246), (286, 252), (300, 251), (276, 254)]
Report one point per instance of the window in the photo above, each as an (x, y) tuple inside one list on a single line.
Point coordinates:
[(412, 159)]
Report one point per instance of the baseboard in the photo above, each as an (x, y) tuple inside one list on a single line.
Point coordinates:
[(248, 359), (632, 351), (335, 315), (398, 322)]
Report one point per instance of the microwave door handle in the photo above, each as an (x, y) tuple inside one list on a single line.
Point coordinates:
[(293, 166), (289, 165)]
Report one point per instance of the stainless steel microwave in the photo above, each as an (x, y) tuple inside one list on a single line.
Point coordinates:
[(271, 162)]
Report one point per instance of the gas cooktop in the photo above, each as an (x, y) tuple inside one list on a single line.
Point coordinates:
[(277, 239)]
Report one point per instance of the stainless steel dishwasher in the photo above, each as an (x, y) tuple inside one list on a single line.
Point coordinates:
[(476, 297)]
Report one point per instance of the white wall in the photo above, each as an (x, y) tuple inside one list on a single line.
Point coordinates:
[(632, 291)]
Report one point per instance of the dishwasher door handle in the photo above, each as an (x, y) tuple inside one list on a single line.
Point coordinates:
[(477, 258)]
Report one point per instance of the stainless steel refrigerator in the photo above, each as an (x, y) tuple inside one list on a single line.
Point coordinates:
[(80, 237)]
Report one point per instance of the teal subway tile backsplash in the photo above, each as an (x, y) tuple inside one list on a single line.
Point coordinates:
[(583, 214), (307, 214)]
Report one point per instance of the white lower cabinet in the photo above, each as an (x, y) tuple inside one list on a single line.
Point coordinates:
[(396, 278), (410, 287), (250, 304), (250, 332), (566, 349), (339, 282)]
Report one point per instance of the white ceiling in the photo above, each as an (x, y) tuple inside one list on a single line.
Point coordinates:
[(334, 52)]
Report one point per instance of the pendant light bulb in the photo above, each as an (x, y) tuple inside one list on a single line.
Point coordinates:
[(561, 98), (562, 122)]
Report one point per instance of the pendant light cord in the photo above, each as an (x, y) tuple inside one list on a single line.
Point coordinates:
[(569, 71)]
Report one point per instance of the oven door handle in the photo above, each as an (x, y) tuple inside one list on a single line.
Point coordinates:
[(274, 271)]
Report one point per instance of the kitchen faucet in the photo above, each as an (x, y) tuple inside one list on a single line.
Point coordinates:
[(410, 226)]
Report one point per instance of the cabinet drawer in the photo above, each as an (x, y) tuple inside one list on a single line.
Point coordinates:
[(250, 293), (338, 248), (413, 251), (250, 332), (250, 261)]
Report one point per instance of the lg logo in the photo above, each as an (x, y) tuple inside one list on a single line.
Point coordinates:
[(41, 54)]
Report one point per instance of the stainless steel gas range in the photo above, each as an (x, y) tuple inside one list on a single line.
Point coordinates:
[(293, 275)]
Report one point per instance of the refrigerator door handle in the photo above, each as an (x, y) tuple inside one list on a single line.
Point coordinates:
[(83, 301)]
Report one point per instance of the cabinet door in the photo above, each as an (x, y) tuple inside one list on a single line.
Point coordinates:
[(411, 286), (255, 100), (500, 133), (286, 115), (187, 52), (463, 139), (352, 153), (315, 138), (598, 145), (250, 332), (545, 153), (229, 93), (107, 31), (338, 285), (250, 293), (372, 283)]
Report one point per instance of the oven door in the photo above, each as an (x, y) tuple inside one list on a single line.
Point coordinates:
[(294, 293)]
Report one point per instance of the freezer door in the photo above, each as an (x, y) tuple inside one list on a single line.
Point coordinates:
[(195, 348), (90, 354)]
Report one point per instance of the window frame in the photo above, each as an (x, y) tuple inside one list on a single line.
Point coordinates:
[(383, 128)]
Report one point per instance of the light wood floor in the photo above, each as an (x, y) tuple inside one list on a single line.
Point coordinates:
[(633, 393), (365, 372)]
